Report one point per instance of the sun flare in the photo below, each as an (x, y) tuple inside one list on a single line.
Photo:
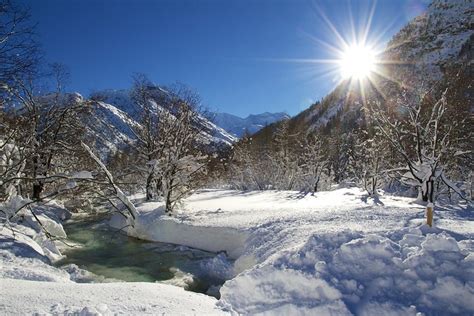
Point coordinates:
[(353, 57), (357, 62)]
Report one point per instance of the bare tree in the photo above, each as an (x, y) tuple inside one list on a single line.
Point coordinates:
[(18, 60), (250, 168), (148, 132), (371, 152), (314, 162), (116, 191), (18, 47), (340, 147), (181, 162), (284, 158), (168, 140), (12, 164), (420, 133), (49, 128)]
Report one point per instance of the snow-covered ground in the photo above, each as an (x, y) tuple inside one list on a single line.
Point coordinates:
[(334, 253), (337, 252), (22, 297)]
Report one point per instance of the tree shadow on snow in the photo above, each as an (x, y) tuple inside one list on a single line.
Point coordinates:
[(224, 194), (374, 198), (460, 211), (298, 195)]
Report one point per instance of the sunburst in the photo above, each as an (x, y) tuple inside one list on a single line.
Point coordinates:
[(356, 55), (357, 62)]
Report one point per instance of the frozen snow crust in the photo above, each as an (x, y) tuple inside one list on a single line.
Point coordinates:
[(335, 253)]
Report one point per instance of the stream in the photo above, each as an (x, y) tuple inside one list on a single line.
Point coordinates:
[(110, 254)]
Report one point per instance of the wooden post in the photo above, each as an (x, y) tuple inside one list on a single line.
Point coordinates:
[(429, 214)]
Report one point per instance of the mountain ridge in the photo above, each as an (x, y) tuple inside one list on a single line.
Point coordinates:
[(232, 124)]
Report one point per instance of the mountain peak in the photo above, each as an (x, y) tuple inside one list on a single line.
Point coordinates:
[(238, 126)]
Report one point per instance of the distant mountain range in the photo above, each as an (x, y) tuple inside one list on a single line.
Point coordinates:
[(238, 126), (114, 113)]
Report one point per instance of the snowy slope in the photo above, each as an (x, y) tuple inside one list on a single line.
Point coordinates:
[(121, 100), (109, 128), (239, 126), (220, 125), (337, 252), (334, 253), (435, 38)]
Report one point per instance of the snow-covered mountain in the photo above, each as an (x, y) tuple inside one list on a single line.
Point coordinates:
[(222, 128), (114, 113), (434, 40), (238, 126), (434, 50)]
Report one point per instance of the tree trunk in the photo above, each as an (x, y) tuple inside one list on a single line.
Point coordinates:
[(431, 189), (168, 202), (37, 184), (37, 189), (159, 186), (374, 185), (427, 191), (168, 197), (428, 196), (149, 187), (315, 188)]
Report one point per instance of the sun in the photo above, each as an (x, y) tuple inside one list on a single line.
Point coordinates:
[(357, 62)]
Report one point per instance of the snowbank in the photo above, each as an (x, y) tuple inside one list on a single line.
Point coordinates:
[(334, 253), (161, 227), (26, 237)]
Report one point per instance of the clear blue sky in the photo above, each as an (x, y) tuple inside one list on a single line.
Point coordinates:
[(232, 52)]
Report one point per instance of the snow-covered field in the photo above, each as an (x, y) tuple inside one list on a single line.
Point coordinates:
[(338, 252)]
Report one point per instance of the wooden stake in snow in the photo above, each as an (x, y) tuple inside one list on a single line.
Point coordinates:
[(429, 214)]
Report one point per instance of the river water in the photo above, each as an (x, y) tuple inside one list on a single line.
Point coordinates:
[(106, 252)]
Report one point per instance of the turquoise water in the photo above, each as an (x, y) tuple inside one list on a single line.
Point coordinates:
[(108, 253)]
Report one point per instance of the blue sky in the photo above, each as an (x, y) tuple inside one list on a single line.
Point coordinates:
[(235, 54)]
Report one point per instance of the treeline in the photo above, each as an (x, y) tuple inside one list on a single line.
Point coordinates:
[(418, 140)]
